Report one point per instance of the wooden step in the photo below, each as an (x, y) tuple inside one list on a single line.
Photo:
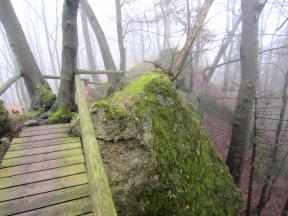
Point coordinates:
[(38, 138), (43, 132)]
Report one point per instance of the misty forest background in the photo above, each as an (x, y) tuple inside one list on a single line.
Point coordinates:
[(242, 102)]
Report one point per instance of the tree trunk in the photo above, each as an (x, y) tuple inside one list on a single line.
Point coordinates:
[(285, 209), (26, 61), (219, 55), (103, 44), (197, 25), (122, 49), (88, 46), (250, 12), (271, 177), (65, 99)]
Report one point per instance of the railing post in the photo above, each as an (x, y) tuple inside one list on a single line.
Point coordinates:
[(101, 196)]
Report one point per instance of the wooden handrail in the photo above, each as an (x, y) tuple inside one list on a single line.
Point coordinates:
[(9, 82), (99, 72), (58, 77), (101, 196)]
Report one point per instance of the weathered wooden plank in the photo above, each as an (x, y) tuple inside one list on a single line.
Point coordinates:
[(43, 132), (42, 187), (41, 150), (88, 214), (41, 175), (41, 157), (45, 127), (43, 143), (71, 208), (45, 165), (43, 200), (38, 138), (102, 201)]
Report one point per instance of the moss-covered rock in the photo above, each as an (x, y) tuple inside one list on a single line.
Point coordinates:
[(158, 159), (44, 99), (62, 115), (5, 124)]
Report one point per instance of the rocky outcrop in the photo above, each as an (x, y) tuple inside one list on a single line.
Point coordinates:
[(158, 159)]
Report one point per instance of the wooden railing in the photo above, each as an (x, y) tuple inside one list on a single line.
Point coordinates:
[(9, 82), (101, 196), (102, 200)]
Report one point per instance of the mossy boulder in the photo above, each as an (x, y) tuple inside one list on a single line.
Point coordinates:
[(5, 124), (158, 159), (44, 99)]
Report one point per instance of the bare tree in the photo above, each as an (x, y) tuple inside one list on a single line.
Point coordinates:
[(88, 45), (191, 35), (250, 12), (34, 81), (122, 49), (103, 44)]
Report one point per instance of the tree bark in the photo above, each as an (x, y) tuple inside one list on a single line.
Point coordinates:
[(103, 44), (250, 12), (65, 98), (25, 59), (88, 46), (122, 49)]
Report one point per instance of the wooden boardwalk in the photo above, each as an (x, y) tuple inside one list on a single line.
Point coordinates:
[(44, 173)]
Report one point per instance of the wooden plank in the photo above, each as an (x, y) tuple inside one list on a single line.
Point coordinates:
[(43, 143), (41, 175), (43, 200), (45, 165), (42, 187), (45, 127), (71, 208), (41, 150), (102, 200), (38, 138), (41, 157), (43, 132)]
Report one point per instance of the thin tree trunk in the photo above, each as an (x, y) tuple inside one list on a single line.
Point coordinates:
[(198, 24), (103, 44), (65, 99), (122, 49), (88, 46), (26, 61), (267, 187), (219, 55), (44, 19), (250, 13)]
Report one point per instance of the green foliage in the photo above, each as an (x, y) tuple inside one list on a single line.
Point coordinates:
[(62, 115), (46, 98), (193, 178)]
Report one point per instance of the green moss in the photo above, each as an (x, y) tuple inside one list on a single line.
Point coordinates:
[(193, 178), (60, 116), (46, 98), (34, 113)]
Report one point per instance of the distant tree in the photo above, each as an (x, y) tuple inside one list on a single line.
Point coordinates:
[(191, 36), (88, 46), (122, 49), (65, 100), (250, 12), (37, 86), (109, 63)]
